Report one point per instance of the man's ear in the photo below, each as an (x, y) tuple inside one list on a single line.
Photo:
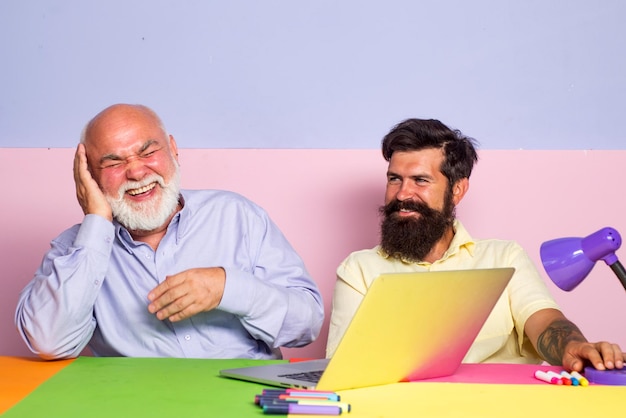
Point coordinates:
[(459, 189), (173, 147)]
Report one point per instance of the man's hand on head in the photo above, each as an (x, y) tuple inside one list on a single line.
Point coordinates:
[(88, 193)]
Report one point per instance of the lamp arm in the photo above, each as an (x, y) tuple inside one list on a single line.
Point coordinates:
[(619, 271)]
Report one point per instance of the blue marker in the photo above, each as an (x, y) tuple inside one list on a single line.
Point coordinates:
[(574, 381)]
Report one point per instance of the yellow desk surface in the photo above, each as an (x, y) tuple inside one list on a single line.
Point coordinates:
[(418, 399), (121, 387)]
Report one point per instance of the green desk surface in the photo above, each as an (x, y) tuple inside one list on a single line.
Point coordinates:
[(142, 387)]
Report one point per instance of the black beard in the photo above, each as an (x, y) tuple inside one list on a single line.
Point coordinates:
[(410, 238)]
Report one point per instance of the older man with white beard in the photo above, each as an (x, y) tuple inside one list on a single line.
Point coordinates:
[(155, 271)]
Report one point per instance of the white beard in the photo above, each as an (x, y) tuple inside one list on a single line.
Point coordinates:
[(148, 215)]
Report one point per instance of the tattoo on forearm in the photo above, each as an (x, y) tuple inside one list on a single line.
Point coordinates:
[(551, 343)]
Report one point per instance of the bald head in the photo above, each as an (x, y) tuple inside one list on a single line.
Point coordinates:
[(116, 116), (123, 129)]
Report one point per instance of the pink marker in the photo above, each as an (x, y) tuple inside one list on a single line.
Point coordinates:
[(558, 376), (544, 376)]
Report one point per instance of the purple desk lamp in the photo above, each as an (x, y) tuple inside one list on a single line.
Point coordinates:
[(569, 260)]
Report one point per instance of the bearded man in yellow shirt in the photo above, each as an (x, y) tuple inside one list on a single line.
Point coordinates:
[(428, 175)]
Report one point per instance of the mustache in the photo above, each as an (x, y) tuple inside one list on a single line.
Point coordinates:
[(130, 185), (398, 205)]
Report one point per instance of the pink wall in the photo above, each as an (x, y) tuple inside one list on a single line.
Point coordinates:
[(325, 202)]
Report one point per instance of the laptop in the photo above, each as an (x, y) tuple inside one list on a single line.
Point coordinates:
[(409, 326)]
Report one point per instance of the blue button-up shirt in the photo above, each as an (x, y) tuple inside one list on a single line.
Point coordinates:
[(91, 288)]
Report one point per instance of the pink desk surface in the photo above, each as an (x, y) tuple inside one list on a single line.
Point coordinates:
[(496, 373)]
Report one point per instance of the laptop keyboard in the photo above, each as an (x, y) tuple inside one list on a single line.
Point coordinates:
[(312, 376)]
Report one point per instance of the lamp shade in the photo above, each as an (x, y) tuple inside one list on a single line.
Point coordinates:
[(569, 260)]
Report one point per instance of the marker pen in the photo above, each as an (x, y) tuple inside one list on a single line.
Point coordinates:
[(292, 390), (581, 379), (570, 377), (566, 381), (544, 376), (264, 399), (303, 393), (324, 392), (558, 376), (294, 408), (314, 394), (345, 407), (300, 396)]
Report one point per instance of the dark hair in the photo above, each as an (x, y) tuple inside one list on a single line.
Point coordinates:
[(418, 134)]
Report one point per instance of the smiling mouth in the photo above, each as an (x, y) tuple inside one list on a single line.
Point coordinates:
[(144, 189), (405, 213)]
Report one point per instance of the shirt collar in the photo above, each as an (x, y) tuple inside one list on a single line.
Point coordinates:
[(461, 240)]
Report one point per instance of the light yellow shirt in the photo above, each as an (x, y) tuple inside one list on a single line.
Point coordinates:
[(502, 338)]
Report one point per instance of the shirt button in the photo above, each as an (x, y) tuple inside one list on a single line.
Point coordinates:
[(187, 337)]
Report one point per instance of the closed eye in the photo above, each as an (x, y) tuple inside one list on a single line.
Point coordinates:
[(150, 153), (111, 163)]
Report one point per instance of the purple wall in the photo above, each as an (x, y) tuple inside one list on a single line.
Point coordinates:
[(531, 74)]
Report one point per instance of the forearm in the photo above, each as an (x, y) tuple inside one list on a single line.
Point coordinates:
[(552, 342), (279, 315), (267, 286), (48, 327), (54, 314), (302, 321)]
